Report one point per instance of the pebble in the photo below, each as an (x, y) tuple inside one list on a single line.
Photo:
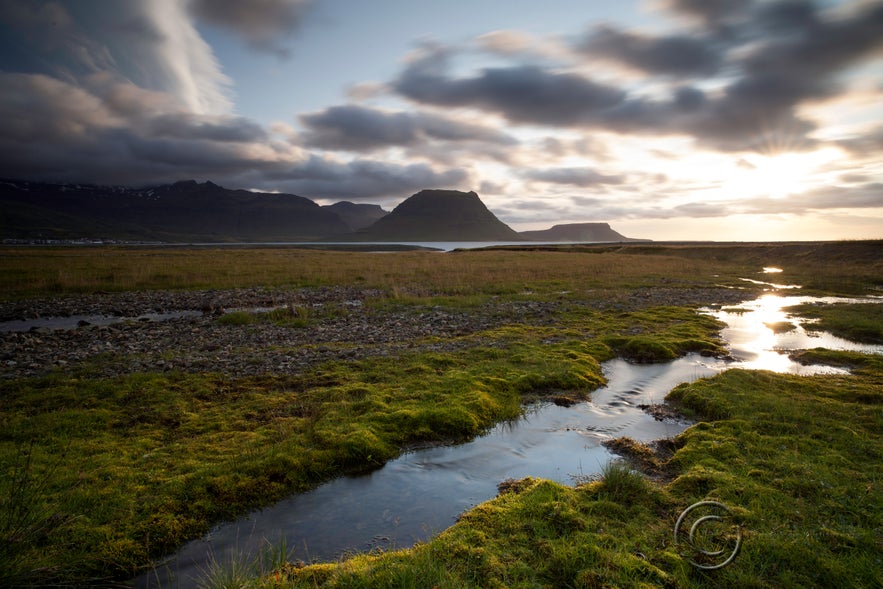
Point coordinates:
[(342, 327)]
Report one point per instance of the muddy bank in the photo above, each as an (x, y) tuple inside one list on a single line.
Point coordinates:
[(342, 324)]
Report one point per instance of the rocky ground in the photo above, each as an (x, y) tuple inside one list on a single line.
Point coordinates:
[(340, 324)]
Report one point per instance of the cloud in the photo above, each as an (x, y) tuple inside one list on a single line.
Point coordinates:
[(780, 56), (869, 142), (675, 55), (523, 93), (152, 44), (323, 177), (263, 24), (709, 12), (507, 42), (583, 177), (821, 199), (60, 132), (800, 58), (360, 128)]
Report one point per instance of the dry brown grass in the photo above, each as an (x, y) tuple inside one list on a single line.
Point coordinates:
[(835, 266), (33, 271)]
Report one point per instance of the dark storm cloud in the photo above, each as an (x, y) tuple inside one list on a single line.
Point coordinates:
[(779, 56), (671, 55), (221, 129), (149, 44), (808, 50), (529, 94), (710, 12), (359, 128), (583, 177), (799, 58), (59, 132), (109, 92), (320, 177), (524, 93), (263, 24)]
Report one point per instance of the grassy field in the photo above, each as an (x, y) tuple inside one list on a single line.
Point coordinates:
[(32, 272), (103, 474), (843, 267)]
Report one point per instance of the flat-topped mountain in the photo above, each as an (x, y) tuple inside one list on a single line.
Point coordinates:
[(439, 215), (580, 232)]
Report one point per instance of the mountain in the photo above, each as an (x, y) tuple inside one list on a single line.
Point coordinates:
[(579, 232), (357, 216), (183, 211), (189, 211), (438, 215)]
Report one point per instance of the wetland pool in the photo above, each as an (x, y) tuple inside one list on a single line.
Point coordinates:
[(419, 494)]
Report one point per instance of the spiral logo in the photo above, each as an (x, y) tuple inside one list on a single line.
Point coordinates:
[(713, 539)]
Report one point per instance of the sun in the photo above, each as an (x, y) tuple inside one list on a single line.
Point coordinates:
[(780, 175)]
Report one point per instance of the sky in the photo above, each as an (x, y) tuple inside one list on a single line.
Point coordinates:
[(744, 120)]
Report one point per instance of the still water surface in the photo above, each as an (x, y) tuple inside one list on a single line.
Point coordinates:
[(421, 493)]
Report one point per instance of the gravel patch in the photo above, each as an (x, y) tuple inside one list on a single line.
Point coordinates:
[(341, 326)]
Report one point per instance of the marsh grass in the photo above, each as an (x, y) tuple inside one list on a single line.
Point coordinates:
[(241, 568), (857, 322), (30, 523)]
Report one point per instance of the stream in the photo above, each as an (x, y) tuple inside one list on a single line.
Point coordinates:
[(421, 493)]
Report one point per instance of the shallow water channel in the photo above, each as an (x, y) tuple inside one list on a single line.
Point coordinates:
[(422, 492)]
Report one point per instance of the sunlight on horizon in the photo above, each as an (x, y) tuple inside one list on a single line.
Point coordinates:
[(779, 175)]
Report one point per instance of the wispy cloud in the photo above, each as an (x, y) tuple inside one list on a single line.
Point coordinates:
[(582, 177)]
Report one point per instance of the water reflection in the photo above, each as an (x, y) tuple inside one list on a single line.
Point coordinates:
[(756, 345), (75, 321)]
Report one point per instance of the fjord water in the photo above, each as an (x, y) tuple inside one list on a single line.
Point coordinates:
[(421, 493)]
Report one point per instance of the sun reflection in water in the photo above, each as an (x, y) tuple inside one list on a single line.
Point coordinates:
[(756, 345)]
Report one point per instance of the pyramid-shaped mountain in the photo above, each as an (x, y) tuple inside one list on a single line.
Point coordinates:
[(439, 215)]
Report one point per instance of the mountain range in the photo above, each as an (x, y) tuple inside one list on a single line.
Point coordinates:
[(189, 211)]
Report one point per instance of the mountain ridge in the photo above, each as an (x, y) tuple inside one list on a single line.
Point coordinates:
[(188, 211)]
